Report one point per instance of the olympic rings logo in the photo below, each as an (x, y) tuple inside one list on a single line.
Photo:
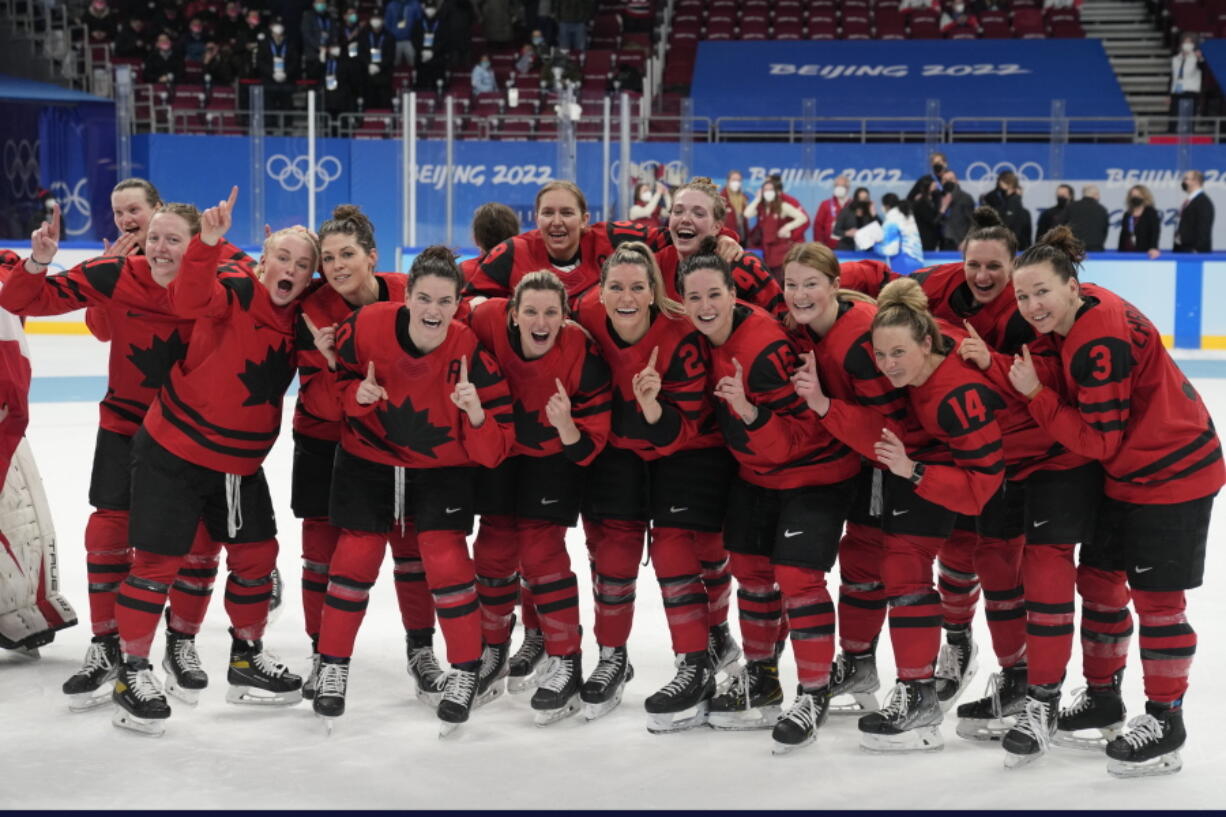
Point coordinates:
[(21, 167), (292, 174), (73, 201), (1027, 172)]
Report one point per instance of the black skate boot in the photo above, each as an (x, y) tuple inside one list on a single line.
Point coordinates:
[(1029, 738), (751, 699), (311, 681), (140, 704), (1151, 744), (1100, 709), (492, 680), (428, 675), (185, 676), (526, 662), (89, 687), (722, 648), (799, 726), (557, 693), (330, 690), (257, 677), (459, 696), (682, 702), (855, 674), (990, 717), (956, 666), (602, 691), (909, 722)]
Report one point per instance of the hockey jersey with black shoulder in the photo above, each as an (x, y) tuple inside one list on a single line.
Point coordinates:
[(753, 282), (999, 323), (867, 276)]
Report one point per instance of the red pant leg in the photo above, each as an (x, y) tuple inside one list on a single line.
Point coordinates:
[(675, 559), (1106, 623), (354, 568), (108, 558), (999, 565), (810, 615), (716, 575), (412, 593), (249, 586), (759, 606), (915, 606), (141, 599), (554, 586), (958, 584), (1050, 578), (496, 553), (618, 548), (319, 539), (452, 579), (193, 587), (1168, 643), (862, 599)]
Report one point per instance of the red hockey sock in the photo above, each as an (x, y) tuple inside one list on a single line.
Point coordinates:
[(862, 599), (319, 539), (958, 583), (999, 565), (193, 587), (108, 558), (452, 579), (412, 595), (249, 586), (1168, 643), (759, 606), (716, 575), (355, 566), (1106, 623), (674, 557), (553, 586), (810, 616), (527, 606), (1050, 578), (141, 599), (915, 606), (496, 553), (618, 550)]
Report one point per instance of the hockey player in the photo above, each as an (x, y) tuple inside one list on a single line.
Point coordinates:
[(424, 404), (1119, 398), (787, 506), (664, 467), (560, 386), (349, 257)]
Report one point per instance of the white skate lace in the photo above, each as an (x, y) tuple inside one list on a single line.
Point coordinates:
[(185, 656), (683, 678), (461, 687), (145, 687), (992, 690), (1034, 723), (737, 687), (899, 703), (1080, 704), (949, 662), (269, 664), (803, 712), (608, 668), (839, 672), (95, 659), (333, 678), (1143, 729), (556, 674), (491, 667), (424, 666), (531, 650)]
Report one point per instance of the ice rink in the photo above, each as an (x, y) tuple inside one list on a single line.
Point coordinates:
[(385, 752)]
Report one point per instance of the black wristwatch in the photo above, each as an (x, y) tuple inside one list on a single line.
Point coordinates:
[(917, 473)]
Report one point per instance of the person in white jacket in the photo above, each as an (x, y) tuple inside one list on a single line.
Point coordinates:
[(1186, 68), (900, 238)]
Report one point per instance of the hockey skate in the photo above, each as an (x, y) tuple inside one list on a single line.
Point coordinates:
[(185, 676), (311, 681), (329, 701), (602, 691), (459, 697), (1100, 709), (682, 703), (1031, 736), (526, 663), (557, 694), (854, 674), (90, 686), (750, 699), (1151, 745), (428, 676), (990, 717), (140, 705), (798, 728), (956, 667), (257, 677), (492, 680), (722, 648), (909, 722)]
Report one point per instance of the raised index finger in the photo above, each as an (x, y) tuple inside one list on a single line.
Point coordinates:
[(655, 354), (463, 368), (310, 325), (1026, 354), (971, 330), (55, 221), (233, 198)]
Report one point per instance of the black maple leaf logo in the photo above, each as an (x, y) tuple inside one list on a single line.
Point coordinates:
[(267, 380), (734, 430), (411, 429), (529, 430), (156, 361)]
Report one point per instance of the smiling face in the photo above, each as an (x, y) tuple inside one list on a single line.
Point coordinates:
[(808, 293), (168, 237), (987, 266), (133, 212), (432, 302), (709, 303), (539, 317), (348, 268), (288, 266), (561, 222), (691, 220), (898, 356), (1047, 303), (626, 295)]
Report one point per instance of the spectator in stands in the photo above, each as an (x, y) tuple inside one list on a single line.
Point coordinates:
[(458, 17), (1186, 71), (164, 64), (167, 19), (900, 243), (401, 16), (378, 48), (227, 28), (939, 163), (651, 204), (133, 41), (484, 81), (625, 77), (351, 34), (317, 27), (958, 21), (852, 218), (638, 16), (217, 67), (101, 23), (430, 42), (543, 18), (956, 207), (828, 213), (499, 20), (528, 60), (924, 209), (1055, 216), (908, 6), (1194, 232), (779, 224), (1006, 199), (250, 37), (735, 201), (1141, 226), (795, 202), (192, 45), (342, 82), (1088, 219), (561, 68), (573, 17), (278, 62)]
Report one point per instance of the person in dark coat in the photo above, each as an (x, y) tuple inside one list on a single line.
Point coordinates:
[(1194, 232), (927, 217), (1088, 219), (278, 61), (1141, 225), (955, 206), (1055, 216), (1006, 200)]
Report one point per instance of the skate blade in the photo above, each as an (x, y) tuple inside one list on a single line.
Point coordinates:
[(969, 729), (862, 702), (141, 726), (1085, 741), (262, 697), (728, 659), (29, 653), (546, 717), (328, 722), (87, 701), (1169, 763), (660, 723), (745, 720), (446, 729), (492, 693), (1013, 761), (778, 749), (921, 739), (971, 672), (191, 697), (429, 697), (519, 684), (594, 711)]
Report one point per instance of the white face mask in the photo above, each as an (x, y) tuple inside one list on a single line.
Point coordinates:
[(840, 192), (768, 195), (735, 185), (645, 196), (959, 9), (277, 30), (376, 23), (1188, 48), (430, 12)]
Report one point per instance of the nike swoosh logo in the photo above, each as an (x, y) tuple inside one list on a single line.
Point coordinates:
[(788, 534), (132, 314), (672, 509), (900, 513), (1038, 524), (1142, 569), (548, 501), (452, 510)]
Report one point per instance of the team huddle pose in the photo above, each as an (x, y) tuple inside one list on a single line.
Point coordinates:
[(984, 417)]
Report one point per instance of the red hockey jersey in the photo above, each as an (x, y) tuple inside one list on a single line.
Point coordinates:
[(1130, 407), (949, 296), (865, 276), (418, 425), (754, 283), (574, 360)]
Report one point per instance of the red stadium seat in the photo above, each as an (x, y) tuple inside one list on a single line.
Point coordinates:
[(755, 29), (997, 30), (856, 29), (789, 30), (822, 30), (925, 25), (891, 26), (1028, 23), (721, 28)]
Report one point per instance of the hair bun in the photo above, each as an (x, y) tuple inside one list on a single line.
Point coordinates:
[(986, 217), (905, 293), (1062, 238)]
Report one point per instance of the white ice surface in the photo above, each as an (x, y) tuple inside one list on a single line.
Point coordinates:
[(385, 752)]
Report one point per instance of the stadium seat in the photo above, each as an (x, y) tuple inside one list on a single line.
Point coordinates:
[(891, 26), (1028, 23), (925, 25)]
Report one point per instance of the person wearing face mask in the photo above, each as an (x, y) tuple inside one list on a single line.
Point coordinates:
[(1187, 68), (431, 42), (169, 20), (483, 79), (100, 22), (955, 206), (400, 16), (317, 29), (1006, 200), (351, 33), (1194, 232), (779, 223), (218, 66), (854, 215), (927, 219), (228, 26), (342, 80), (133, 40), (1055, 216), (1088, 219), (958, 23), (252, 33), (377, 51), (278, 62), (164, 64), (735, 201), (1141, 225), (649, 200), (193, 42), (828, 213)]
